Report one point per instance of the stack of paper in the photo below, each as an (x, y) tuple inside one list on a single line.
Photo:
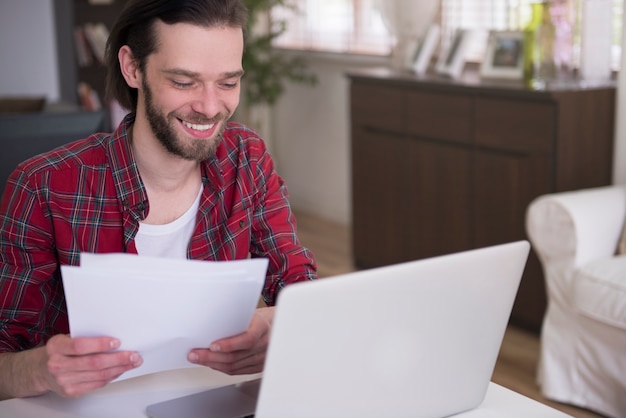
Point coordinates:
[(161, 308)]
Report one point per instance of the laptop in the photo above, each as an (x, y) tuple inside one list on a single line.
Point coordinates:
[(415, 339)]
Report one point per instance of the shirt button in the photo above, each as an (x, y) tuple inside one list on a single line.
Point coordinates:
[(141, 206), (242, 224)]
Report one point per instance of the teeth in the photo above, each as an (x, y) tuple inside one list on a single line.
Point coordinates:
[(198, 127)]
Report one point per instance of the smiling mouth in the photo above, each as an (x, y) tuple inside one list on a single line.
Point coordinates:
[(198, 127)]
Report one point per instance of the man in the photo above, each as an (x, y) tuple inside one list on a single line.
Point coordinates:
[(173, 180)]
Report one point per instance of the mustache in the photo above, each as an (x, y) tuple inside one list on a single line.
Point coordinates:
[(200, 119)]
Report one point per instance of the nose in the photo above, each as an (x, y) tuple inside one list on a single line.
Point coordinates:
[(208, 102)]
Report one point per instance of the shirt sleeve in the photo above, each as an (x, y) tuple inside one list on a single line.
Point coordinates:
[(274, 236), (32, 304)]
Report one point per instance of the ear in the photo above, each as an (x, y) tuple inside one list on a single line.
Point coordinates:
[(128, 66)]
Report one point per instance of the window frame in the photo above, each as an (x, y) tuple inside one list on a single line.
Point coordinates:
[(499, 15)]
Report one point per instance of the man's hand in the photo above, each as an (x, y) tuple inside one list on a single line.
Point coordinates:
[(73, 367), (243, 353)]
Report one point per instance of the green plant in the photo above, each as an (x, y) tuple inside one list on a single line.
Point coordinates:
[(266, 69)]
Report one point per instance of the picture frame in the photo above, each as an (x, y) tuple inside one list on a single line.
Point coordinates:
[(426, 49), (504, 57), (452, 61)]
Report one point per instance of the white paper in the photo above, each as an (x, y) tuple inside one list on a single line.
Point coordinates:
[(161, 308)]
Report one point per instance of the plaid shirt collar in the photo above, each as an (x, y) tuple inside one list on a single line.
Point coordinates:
[(131, 191)]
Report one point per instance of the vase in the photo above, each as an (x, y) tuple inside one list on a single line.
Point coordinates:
[(407, 21), (544, 64), (539, 55), (563, 16)]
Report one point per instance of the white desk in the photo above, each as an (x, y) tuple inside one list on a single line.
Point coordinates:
[(129, 398)]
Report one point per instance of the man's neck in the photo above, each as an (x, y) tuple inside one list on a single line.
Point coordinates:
[(159, 169), (172, 183)]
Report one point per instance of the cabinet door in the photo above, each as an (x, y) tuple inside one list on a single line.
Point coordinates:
[(444, 116), (584, 152), (377, 107), (515, 125), (440, 177), (380, 204), (504, 185)]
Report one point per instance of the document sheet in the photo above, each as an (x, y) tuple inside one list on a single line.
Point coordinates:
[(161, 308)]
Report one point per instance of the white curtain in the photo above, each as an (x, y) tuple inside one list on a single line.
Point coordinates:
[(619, 153)]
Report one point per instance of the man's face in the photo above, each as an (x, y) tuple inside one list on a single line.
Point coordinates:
[(191, 87)]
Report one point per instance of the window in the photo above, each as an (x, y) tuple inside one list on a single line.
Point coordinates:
[(344, 26), (483, 15), (355, 26)]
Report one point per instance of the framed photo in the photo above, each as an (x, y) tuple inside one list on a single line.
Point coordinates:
[(452, 61), (426, 49), (504, 57)]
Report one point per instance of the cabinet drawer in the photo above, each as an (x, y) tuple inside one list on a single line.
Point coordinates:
[(515, 125), (376, 106), (439, 115)]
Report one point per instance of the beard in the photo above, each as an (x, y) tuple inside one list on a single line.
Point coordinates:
[(162, 127)]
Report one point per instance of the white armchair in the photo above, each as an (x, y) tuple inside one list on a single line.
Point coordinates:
[(583, 336)]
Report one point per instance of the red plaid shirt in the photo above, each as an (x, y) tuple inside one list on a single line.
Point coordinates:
[(88, 196)]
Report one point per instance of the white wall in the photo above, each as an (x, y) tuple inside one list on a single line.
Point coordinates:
[(28, 55), (311, 138)]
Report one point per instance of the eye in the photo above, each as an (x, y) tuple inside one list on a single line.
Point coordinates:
[(230, 84), (182, 84)]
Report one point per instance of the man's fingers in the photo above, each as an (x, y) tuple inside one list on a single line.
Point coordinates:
[(77, 375), (231, 364), (78, 384), (96, 377), (237, 343), (257, 335), (73, 367), (96, 362), (241, 354), (64, 345)]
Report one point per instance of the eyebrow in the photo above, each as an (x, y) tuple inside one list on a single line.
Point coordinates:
[(196, 76)]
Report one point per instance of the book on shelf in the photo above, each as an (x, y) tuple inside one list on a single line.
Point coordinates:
[(90, 43), (89, 99), (83, 50)]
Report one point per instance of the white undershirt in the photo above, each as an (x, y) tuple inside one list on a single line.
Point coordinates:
[(169, 240)]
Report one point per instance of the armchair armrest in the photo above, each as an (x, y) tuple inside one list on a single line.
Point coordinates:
[(576, 227)]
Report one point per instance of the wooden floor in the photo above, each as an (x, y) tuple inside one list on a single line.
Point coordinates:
[(517, 362)]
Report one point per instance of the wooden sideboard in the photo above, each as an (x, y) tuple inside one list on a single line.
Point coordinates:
[(441, 166)]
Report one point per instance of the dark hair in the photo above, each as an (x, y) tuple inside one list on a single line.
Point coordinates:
[(135, 28)]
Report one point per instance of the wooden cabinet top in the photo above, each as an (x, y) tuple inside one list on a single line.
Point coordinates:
[(471, 82)]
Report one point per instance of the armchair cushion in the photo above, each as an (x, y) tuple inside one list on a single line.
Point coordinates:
[(600, 291)]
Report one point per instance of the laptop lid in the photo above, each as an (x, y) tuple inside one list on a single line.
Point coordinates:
[(413, 339)]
